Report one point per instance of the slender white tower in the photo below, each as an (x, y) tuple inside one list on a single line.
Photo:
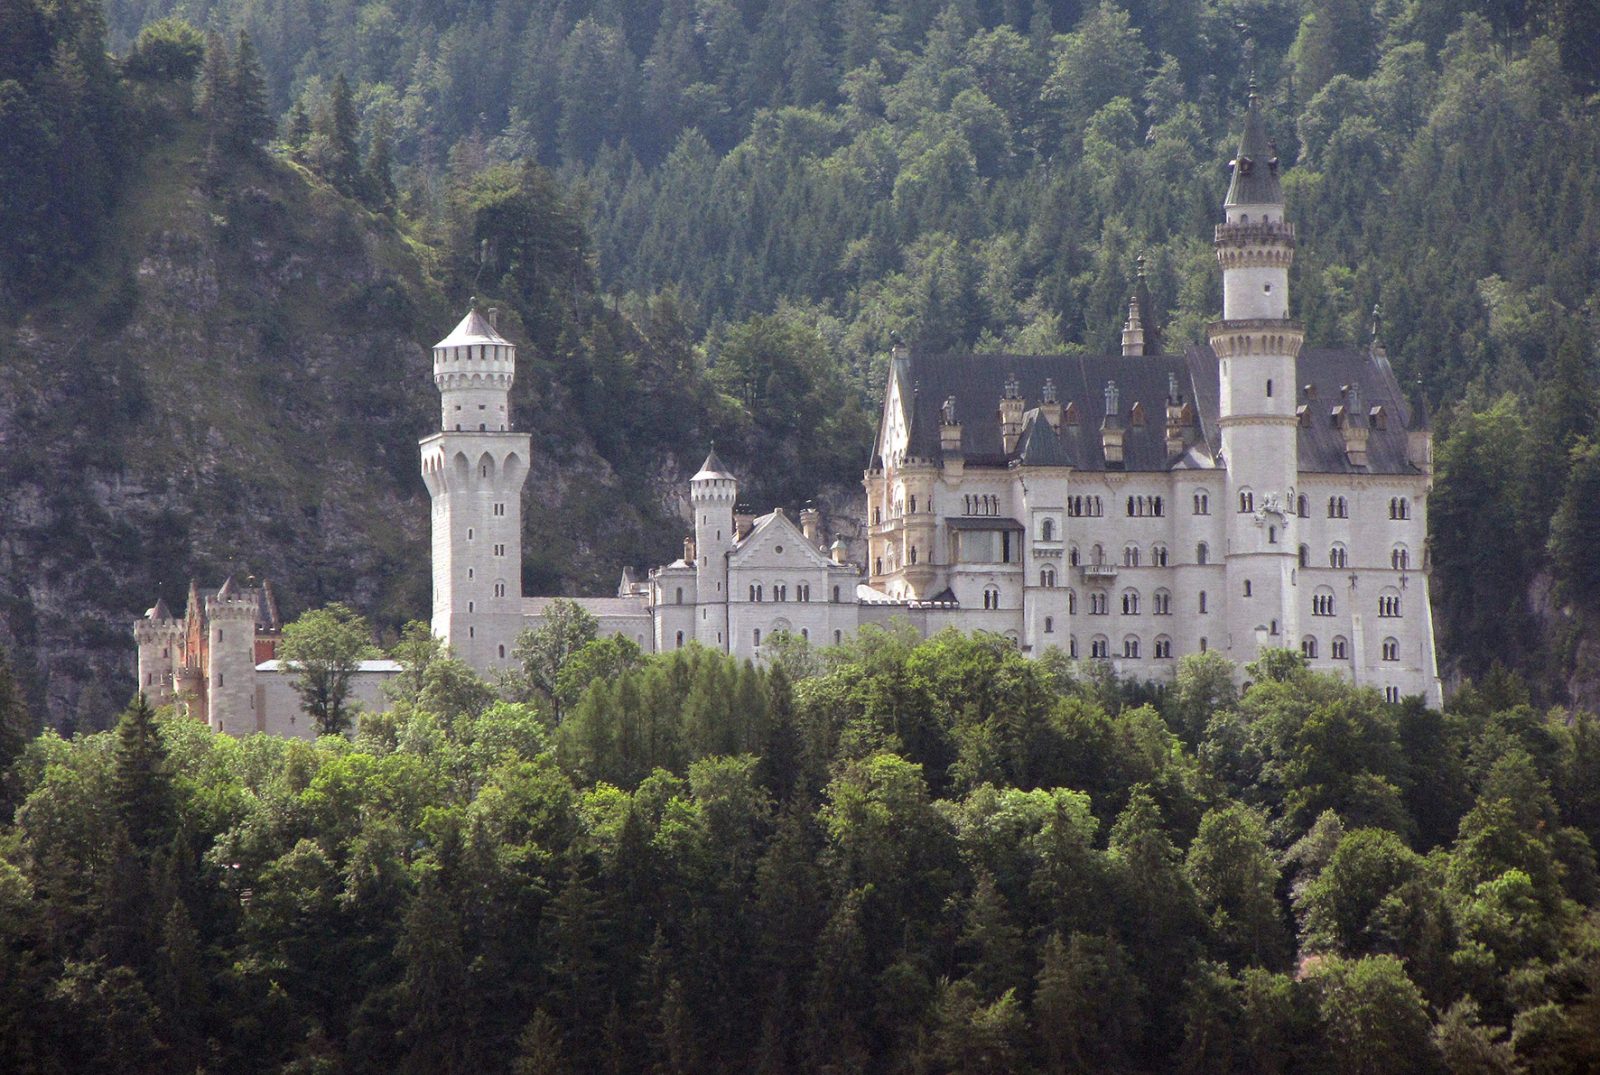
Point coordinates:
[(712, 493), (1257, 346), (474, 469)]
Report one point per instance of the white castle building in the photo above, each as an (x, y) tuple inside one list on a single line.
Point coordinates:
[(1248, 493)]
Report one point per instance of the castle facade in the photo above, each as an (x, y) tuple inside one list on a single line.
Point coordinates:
[(1246, 493)]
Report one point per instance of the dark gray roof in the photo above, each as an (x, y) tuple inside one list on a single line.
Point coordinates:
[(1039, 446), (1255, 167), (978, 381)]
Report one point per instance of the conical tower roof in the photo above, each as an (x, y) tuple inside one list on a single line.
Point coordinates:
[(1255, 167), (474, 329), (160, 611), (712, 468)]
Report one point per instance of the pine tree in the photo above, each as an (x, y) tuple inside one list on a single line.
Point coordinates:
[(248, 121), (378, 178), (143, 786)]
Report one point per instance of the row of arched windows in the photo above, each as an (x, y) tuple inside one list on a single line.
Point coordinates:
[(979, 504), (1145, 506), (1323, 603), (1100, 647), (1131, 556), (1339, 648), (1085, 507), (780, 592)]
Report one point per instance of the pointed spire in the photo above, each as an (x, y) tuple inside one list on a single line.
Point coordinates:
[(713, 467), (1255, 167), (1133, 330), (160, 611), (229, 589)]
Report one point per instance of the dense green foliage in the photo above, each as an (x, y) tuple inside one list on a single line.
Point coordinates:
[(890, 856)]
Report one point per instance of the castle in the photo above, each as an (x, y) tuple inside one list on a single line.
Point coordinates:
[(1247, 493)]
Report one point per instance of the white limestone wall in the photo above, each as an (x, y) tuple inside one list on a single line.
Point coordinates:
[(277, 709), (231, 668)]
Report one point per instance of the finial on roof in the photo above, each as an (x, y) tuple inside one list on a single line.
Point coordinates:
[(1377, 321), (1112, 397), (1139, 261), (1172, 387)]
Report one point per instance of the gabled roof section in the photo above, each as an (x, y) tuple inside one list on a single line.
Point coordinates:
[(1039, 446), (1255, 166), (775, 527), (474, 329)]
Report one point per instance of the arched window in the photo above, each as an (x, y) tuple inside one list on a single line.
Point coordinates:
[(1272, 535), (1163, 647), (1098, 603), (991, 597), (1047, 577), (877, 566), (1049, 625), (1389, 604), (1339, 647), (499, 589), (756, 634), (1400, 558), (1130, 556), (1202, 504), (1302, 506), (837, 637), (1305, 556), (1202, 602), (1322, 602), (680, 595), (1099, 554), (1158, 555), (1202, 553), (1130, 602), (1161, 603), (836, 595), (1099, 647), (1338, 555), (1156, 507), (1391, 649), (502, 653), (1047, 530), (1338, 507), (1130, 647), (1308, 648), (1247, 590), (680, 640), (913, 554), (1072, 602), (1391, 694), (805, 634), (1072, 646), (1131, 506), (913, 503), (1247, 501), (1072, 556)]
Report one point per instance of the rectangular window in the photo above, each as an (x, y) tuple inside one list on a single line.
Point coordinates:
[(986, 547)]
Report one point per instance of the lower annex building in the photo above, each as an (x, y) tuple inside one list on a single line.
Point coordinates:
[(1246, 493)]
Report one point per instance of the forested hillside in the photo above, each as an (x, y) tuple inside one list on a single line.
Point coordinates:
[(898, 856), (710, 216)]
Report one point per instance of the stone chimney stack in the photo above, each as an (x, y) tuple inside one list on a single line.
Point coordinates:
[(811, 525), (1050, 405), (1352, 421), (950, 438), (1176, 423), (1011, 414), (837, 550), (1111, 429)]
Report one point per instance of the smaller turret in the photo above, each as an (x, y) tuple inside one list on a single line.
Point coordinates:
[(1133, 331), (230, 665), (713, 492), (474, 367), (159, 637)]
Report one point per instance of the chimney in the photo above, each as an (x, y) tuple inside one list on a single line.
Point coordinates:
[(1133, 331), (744, 520), (837, 550), (811, 524), (494, 317), (949, 428), (1011, 414), (1050, 405), (1175, 420), (1354, 424), (1111, 428)]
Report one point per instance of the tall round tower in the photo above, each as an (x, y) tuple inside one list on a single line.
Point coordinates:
[(1257, 346), (713, 492), (159, 637), (474, 469), (230, 669)]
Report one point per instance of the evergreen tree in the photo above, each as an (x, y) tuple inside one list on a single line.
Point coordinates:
[(143, 786), (248, 122)]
